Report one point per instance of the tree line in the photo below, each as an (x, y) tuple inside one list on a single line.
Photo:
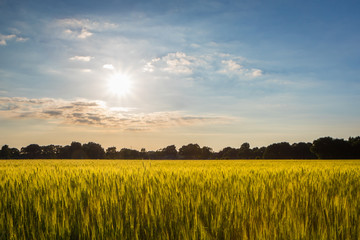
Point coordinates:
[(322, 148)]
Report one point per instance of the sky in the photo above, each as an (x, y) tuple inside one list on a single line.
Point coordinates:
[(154, 73)]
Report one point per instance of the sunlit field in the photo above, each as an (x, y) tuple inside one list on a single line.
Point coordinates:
[(143, 199)]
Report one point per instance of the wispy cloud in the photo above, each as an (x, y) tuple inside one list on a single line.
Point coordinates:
[(5, 38), (181, 63), (78, 33), (231, 67), (82, 28), (97, 113), (81, 58), (177, 63)]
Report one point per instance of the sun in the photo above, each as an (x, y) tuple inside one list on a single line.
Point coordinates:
[(119, 84)]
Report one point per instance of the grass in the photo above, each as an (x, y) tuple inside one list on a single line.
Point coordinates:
[(142, 199)]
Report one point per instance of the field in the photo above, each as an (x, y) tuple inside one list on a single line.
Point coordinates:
[(142, 199)]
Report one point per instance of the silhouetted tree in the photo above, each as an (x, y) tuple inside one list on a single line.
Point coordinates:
[(325, 147), (258, 153), (76, 151), (169, 152), (111, 153), (245, 151), (278, 151), (64, 152), (228, 153), (9, 153), (302, 151), (32, 151), (50, 151), (206, 153), (5, 152), (329, 148), (143, 154), (126, 153), (190, 151), (94, 150), (355, 147)]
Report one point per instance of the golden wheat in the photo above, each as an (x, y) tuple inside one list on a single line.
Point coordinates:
[(142, 199)]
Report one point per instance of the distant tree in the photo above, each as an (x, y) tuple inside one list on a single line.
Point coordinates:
[(302, 151), (258, 153), (143, 154), (206, 153), (245, 152), (64, 152), (169, 152), (278, 151), (5, 152), (355, 147), (190, 151), (329, 148), (111, 153), (76, 151), (94, 150), (126, 153), (14, 153), (32, 151), (229, 153), (50, 151), (152, 154)]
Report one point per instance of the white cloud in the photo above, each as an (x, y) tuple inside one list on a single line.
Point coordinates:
[(81, 58), (231, 67), (78, 33), (150, 66), (177, 63), (108, 66), (84, 33), (5, 38), (181, 63), (96, 113), (256, 72)]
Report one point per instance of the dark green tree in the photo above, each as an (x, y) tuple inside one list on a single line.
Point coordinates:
[(5, 152), (126, 153), (302, 151), (190, 151), (229, 153), (206, 153), (111, 153), (355, 147), (278, 151), (32, 151), (94, 151), (245, 151), (329, 148), (77, 151), (169, 152)]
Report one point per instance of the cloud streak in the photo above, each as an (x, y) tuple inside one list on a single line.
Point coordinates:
[(81, 58), (97, 114), (5, 38), (82, 28), (232, 67)]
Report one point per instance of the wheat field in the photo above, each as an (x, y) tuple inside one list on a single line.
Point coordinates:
[(143, 199)]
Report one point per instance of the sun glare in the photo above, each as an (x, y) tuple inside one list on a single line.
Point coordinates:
[(120, 84)]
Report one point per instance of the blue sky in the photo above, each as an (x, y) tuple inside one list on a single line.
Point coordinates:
[(154, 73)]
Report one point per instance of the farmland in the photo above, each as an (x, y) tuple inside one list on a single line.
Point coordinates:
[(143, 199)]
